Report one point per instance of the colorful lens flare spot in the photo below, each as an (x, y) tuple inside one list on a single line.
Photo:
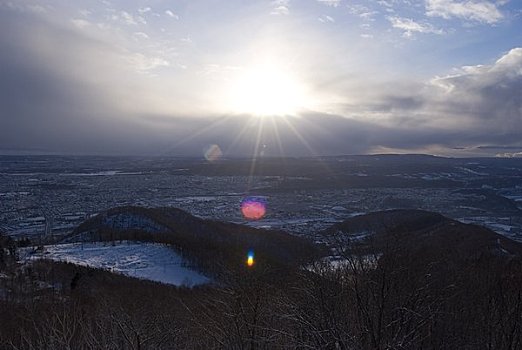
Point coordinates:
[(250, 259), (213, 153), (253, 208)]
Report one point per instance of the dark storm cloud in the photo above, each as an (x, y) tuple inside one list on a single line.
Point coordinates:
[(307, 135), (44, 104), (478, 105), (490, 95), (63, 91)]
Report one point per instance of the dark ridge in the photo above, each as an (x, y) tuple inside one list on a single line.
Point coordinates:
[(424, 234), (209, 245), (408, 219)]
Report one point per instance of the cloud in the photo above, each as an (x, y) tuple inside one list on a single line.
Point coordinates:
[(363, 12), (59, 108), (386, 3), (61, 90), (143, 10), (81, 23), (333, 3), (70, 90), (326, 19), (453, 114), (470, 10), (409, 26), (24, 7), (144, 63), (127, 18), (141, 35), (280, 7), (478, 105), (310, 134), (280, 10), (171, 14), (487, 95)]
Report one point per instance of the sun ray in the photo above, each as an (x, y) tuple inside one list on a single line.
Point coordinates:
[(237, 138), (299, 136), (196, 134), (305, 143), (278, 137), (256, 150)]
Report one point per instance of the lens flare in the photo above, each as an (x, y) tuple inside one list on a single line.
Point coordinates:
[(253, 208), (213, 153), (250, 259)]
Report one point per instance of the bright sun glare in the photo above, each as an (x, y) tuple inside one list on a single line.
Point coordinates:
[(267, 91)]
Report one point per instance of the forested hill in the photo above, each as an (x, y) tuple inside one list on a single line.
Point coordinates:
[(208, 244), (419, 232), (398, 279)]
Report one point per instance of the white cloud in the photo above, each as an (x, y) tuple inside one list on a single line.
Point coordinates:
[(85, 13), (368, 16), (333, 3), (280, 10), (362, 11), (171, 14), (143, 63), (80, 23), (385, 3), (281, 7), (20, 6), (482, 11), (505, 70), (127, 18), (409, 26), (144, 10), (486, 97), (475, 106), (326, 19), (141, 35)]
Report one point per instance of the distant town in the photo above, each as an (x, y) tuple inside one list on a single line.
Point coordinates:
[(42, 196)]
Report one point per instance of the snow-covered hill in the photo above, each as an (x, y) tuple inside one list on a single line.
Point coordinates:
[(155, 262)]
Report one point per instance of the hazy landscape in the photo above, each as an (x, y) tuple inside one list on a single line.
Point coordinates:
[(262, 174), (340, 244), (50, 196)]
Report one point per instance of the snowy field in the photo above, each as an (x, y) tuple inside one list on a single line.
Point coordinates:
[(155, 262)]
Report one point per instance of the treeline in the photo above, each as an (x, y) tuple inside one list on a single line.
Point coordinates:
[(8, 249), (395, 298)]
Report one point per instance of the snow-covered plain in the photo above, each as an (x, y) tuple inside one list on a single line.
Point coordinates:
[(151, 261)]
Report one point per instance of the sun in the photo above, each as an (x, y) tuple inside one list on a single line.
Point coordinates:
[(267, 90)]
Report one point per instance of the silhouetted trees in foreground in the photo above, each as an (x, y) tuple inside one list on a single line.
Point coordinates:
[(388, 298)]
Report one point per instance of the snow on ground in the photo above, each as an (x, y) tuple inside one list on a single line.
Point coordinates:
[(151, 261)]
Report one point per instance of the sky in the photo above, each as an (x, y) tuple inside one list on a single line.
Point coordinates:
[(261, 78)]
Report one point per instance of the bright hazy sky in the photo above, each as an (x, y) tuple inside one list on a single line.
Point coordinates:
[(283, 77)]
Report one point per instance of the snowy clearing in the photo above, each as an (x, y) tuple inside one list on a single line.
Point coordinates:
[(151, 261)]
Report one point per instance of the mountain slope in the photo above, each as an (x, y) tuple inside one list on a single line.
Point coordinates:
[(424, 237), (207, 244)]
